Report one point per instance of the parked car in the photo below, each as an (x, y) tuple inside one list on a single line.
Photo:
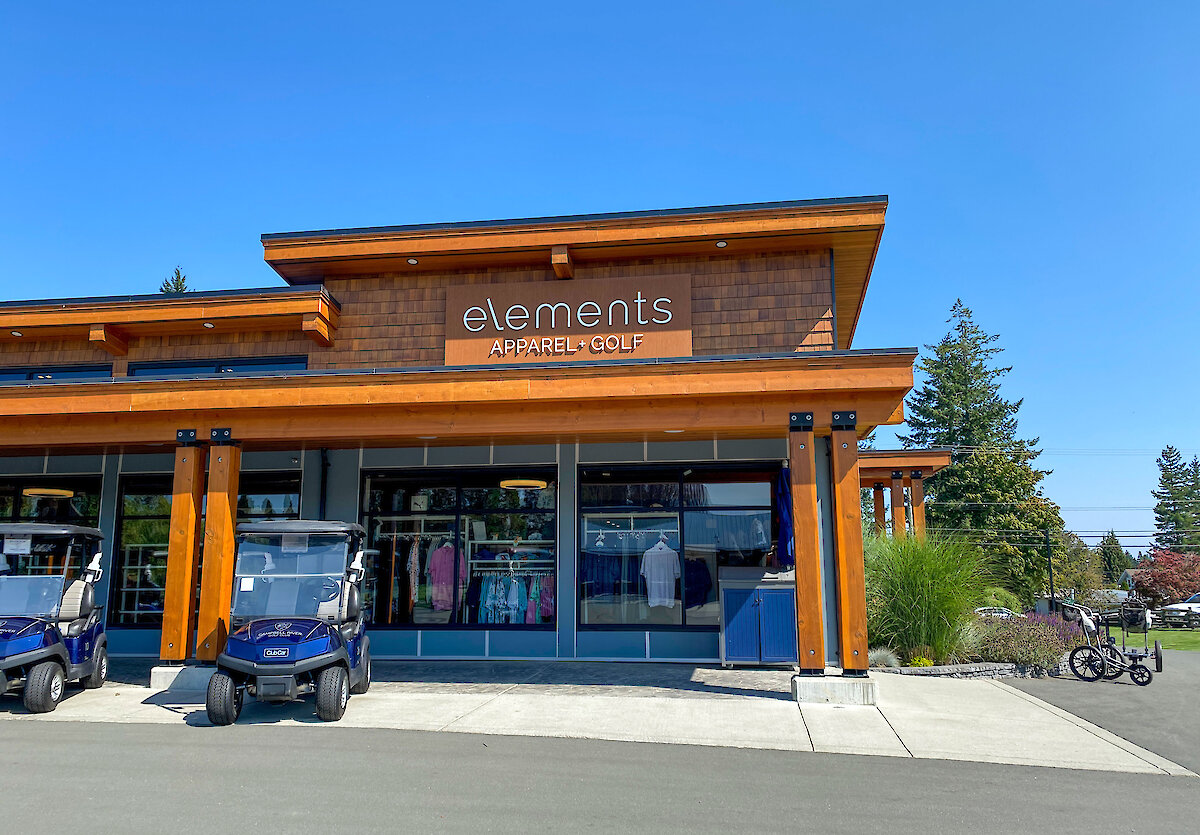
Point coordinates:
[(1192, 604), (997, 612)]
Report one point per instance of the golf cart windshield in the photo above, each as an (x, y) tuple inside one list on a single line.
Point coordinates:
[(34, 571), (288, 574)]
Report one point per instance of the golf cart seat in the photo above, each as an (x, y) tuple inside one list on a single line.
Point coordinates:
[(343, 609), (78, 603)]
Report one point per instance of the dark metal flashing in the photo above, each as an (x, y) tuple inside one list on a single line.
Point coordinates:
[(148, 297), (560, 219), (455, 369)]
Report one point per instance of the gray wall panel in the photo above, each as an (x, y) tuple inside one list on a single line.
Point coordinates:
[(457, 456), (22, 465), (611, 453), (533, 454), (148, 462), (680, 451), (753, 450), (401, 457), (343, 498), (62, 464)]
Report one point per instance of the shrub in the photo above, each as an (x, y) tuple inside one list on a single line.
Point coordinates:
[(1167, 576), (997, 596), (920, 661), (921, 593), (882, 657), (1037, 641)]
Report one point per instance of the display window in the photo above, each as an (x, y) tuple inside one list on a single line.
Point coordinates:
[(64, 500), (143, 532), (652, 541), (460, 549)]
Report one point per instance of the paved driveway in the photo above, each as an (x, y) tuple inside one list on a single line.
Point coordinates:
[(1163, 717)]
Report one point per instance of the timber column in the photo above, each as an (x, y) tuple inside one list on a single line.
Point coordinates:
[(899, 522), (880, 513), (916, 489), (216, 582), (806, 535), (183, 548), (848, 544)]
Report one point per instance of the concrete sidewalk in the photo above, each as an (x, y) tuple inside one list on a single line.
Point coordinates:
[(981, 721)]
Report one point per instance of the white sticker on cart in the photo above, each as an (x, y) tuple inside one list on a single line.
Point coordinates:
[(294, 543), (247, 584), (17, 545)]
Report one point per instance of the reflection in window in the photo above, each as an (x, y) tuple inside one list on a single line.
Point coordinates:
[(143, 533), (69, 500), (629, 569), (459, 549)]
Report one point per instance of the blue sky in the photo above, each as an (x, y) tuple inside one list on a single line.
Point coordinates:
[(1040, 161)]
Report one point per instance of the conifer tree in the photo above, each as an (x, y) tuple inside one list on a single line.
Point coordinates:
[(1114, 559), (174, 283), (1177, 502), (992, 492)]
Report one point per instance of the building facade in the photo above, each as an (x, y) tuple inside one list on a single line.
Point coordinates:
[(560, 433)]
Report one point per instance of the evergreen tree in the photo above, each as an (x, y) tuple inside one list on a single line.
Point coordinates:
[(1177, 502), (991, 492), (175, 283), (1114, 559)]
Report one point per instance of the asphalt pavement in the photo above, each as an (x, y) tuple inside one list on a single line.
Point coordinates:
[(1163, 716), (175, 778)]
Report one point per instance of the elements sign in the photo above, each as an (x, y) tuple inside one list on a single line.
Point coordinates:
[(560, 321)]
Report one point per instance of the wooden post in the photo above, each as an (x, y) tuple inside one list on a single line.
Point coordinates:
[(810, 630), (880, 513), (848, 543), (916, 489), (183, 551), (216, 582), (899, 522)]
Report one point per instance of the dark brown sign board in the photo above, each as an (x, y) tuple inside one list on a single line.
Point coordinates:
[(562, 321)]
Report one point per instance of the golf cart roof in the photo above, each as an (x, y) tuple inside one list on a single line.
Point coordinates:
[(45, 529), (301, 526)]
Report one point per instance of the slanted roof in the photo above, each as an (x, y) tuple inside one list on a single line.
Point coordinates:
[(850, 227)]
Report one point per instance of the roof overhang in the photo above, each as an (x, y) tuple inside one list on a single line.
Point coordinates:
[(661, 400), (879, 466), (108, 322), (850, 227)]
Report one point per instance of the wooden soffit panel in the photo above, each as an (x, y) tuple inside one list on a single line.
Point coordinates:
[(660, 401), (110, 323)]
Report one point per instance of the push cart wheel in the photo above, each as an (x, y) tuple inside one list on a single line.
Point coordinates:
[(1087, 663), (1158, 656), (100, 673), (1115, 663), (365, 684), (333, 692), (44, 687), (224, 700), (1141, 674)]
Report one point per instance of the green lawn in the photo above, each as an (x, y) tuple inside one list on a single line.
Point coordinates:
[(1171, 638)]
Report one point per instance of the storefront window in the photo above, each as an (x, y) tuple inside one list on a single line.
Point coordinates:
[(70, 500), (656, 563), (458, 549)]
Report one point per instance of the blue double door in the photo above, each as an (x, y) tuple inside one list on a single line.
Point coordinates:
[(760, 626)]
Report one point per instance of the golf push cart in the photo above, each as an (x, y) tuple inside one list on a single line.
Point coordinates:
[(51, 629), (296, 624)]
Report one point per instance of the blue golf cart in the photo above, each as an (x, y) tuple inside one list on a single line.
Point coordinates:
[(296, 623), (51, 627)]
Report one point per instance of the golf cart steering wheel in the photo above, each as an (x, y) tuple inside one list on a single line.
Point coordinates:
[(329, 591)]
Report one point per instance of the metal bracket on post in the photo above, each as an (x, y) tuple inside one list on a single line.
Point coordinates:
[(800, 422), (187, 437), (843, 421), (222, 437), (919, 474), (898, 475)]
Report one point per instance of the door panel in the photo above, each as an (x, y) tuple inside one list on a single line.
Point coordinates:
[(741, 625), (777, 614)]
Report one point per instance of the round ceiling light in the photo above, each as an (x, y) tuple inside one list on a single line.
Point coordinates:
[(722, 244), (47, 493), (523, 484), (17, 334), (413, 261), (673, 431), (209, 325), (427, 437)]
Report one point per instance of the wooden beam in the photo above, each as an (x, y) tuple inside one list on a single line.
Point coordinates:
[(216, 581), (560, 259), (848, 546), (316, 327), (899, 518), (810, 629), (880, 513), (916, 489), (110, 339), (183, 552)]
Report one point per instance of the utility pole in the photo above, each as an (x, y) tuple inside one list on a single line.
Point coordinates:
[(1050, 566)]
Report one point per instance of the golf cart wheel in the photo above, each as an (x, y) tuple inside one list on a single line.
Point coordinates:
[(100, 673), (364, 685), (44, 687), (224, 700), (1141, 674), (1115, 662), (1158, 656), (333, 692), (1087, 663)]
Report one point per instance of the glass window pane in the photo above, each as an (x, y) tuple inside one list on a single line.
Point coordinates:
[(630, 494), (629, 569), (510, 568), (68, 502), (499, 498), (722, 493), (141, 576), (413, 579), (146, 502)]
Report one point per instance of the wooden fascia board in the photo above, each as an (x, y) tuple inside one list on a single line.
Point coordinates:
[(927, 460), (862, 298), (577, 235)]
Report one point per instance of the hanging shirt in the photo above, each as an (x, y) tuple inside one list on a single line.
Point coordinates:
[(441, 578), (660, 567), (414, 568)]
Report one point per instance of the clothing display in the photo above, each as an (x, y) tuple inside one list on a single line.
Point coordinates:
[(440, 572), (511, 597), (660, 567), (697, 582)]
